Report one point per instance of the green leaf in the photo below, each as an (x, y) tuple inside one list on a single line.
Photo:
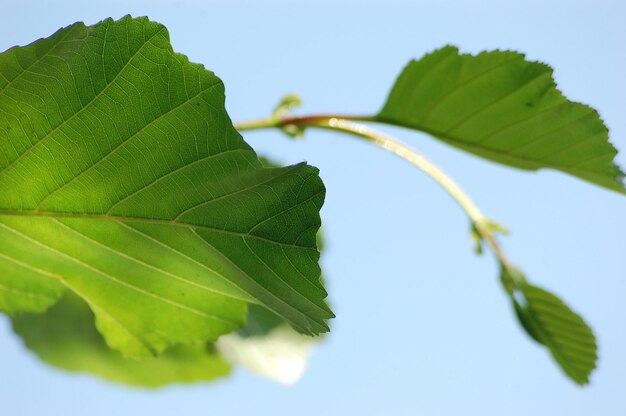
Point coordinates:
[(65, 337), (123, 179), (35, 291), (260, 322), (552, 323), (501, 107)]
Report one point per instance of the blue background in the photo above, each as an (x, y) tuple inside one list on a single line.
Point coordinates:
[(422, 325)]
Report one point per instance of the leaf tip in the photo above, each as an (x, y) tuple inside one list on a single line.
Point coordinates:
[(550, 322)]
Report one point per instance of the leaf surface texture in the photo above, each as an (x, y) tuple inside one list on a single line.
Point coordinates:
[(123, 179), (499, 106), (549, 321)]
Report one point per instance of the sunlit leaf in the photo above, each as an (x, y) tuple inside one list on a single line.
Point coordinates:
[(65, 337), (123, 179), (499, 106)]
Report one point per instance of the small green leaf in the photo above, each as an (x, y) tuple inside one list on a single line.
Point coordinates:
[(286, 105), (477, 239), (65, 337), (499, 106), (552, 323), (122, 178)]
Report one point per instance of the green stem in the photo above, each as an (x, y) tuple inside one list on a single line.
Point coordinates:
[(307, 121), (418, 160), (347, 124)]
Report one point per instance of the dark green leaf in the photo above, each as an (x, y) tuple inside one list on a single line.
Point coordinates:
[(552, 323), (260, 322), (499, 106)]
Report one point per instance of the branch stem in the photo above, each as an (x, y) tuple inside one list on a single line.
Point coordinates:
[(349, 125), (306, 121)]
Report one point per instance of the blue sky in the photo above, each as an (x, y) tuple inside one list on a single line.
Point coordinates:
[(422, 325)]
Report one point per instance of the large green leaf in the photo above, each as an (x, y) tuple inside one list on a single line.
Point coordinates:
[(499, 106), (552, 323), (65, 336), (122, 179)]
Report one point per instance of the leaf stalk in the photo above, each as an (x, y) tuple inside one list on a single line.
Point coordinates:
[(350, 124)]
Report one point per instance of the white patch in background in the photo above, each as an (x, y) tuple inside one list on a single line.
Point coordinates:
[(281, 355)]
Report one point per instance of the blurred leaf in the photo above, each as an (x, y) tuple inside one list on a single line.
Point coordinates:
[(499, 106), (286, 105), (66, 337), (552, 323)]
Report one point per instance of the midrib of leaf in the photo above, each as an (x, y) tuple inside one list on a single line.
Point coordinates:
[(126, 284), (122, 220), (118, 218), (115, 279), (502, 154)]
